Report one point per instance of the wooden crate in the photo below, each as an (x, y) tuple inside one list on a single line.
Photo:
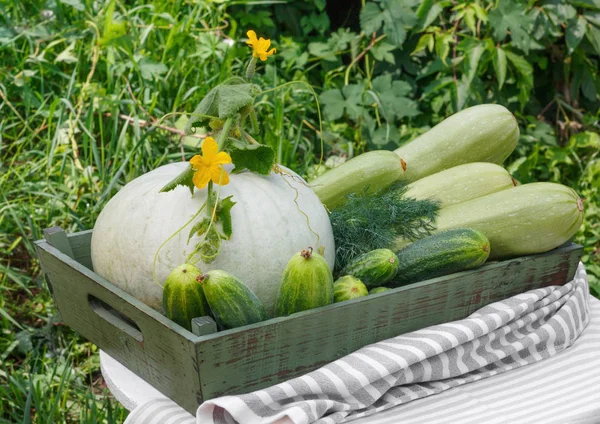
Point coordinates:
[(189, 368)]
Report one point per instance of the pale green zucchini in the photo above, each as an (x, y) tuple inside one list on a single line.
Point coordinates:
[(527, 219), (461, 183), (484, 133), (372, 171)]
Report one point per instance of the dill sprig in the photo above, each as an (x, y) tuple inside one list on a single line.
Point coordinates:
[(371, 221)]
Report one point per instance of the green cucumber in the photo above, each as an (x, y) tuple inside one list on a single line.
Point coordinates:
[(183, 298), (232, 303), (440, 254), (461, 183), (527, 219), (484, 133), (374, 268), (348, 288), (378, 290), (370, 171), (307, 283)]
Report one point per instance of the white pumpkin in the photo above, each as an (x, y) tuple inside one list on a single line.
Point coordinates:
[(268, 229)]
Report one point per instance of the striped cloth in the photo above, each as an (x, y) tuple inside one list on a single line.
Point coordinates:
[(392, 381)]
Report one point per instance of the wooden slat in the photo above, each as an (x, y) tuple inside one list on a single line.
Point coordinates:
[(152, 346), (80, 243), (246, 359)]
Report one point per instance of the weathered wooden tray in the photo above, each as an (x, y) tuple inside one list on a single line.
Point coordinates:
[(189, 368)]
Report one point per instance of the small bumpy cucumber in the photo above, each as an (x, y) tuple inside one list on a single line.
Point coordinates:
[(484, 133), (183, 298), (372, 171), (307, 283), (374, 268), (461, 183), (378, 290), (232, 303), (441, 254), (348, 288)]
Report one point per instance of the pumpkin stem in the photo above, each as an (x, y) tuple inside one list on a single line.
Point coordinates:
[(201, 278)]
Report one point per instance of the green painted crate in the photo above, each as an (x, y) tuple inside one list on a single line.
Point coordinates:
[(190, 368)]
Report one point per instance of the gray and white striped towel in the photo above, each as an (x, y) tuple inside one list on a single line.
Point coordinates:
[(381, 378)]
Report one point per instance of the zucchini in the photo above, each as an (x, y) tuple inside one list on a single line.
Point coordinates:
[(307, 283), (232, 303), (183, 298), (461, 183), (348, 288), (370, 171), (527, 219), (440, 254), (484, 133), (374, 268)]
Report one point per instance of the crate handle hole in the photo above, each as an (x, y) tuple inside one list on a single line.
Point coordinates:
[(116, 318)]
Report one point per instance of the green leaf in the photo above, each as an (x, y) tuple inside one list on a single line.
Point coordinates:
[(199, 228), (151, 69), (333, 103), (353, 94), (75, 4), (224, 215), (510, 16), (593, 35), (442, 44), (371, 18), (381, 52), (223, 101), (427, 41), (470, 19), (585, 139), (399, 16), (183, 179), (524, 75), (428, 12), (592, 17), (587, 4), (257, 158), (322, 51), (472, 62), (499, 62), (391, 95), (66, 55), (575, 32)]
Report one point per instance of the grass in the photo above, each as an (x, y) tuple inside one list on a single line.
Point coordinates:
[(83, 85)]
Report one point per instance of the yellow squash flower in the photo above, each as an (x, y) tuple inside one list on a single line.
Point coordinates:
[(259, 46), (209, 165)]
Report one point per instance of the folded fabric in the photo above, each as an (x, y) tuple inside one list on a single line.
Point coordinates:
[(499, 337)]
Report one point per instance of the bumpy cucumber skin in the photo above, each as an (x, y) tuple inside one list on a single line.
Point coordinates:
[(348, 288), (183, 297), (306, 283), (527, 219), (232, 303), (374, 268), (372, 170), (461, 183), (440, 254), (484, 133), (378, 290)]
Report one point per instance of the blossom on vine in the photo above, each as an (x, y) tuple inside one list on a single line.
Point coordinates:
[(259, 46), (209, 165)]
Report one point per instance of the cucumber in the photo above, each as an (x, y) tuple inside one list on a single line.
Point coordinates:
[(378, 290), (461, 183), (232, 303), (183, 298), (484, 133), (440, 254), (372, 171), (527, 219), (374, 268), (307, 283), (348, 288)]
